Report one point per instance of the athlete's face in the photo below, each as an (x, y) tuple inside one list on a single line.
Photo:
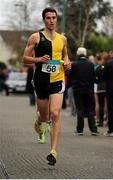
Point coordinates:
[(50, 20)]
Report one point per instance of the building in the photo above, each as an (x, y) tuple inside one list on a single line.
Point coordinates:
[(6, 52), (12, 43)]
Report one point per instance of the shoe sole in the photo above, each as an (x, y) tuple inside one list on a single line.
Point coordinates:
[(94, 134), (39, 142), (79, 134), (108, 135)]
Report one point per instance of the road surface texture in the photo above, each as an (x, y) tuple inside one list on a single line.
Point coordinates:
[(21, 157)]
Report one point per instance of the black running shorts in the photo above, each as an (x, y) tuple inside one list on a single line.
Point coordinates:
[(43, 90)]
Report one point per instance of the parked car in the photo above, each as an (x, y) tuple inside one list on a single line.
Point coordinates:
[(16, 82)]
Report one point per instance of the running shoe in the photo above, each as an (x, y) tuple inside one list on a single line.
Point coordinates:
[(41, 139), (108, 134), (79, 133), (41, 131), (52, 158), (38, 127), (95, 133), (49, 126)]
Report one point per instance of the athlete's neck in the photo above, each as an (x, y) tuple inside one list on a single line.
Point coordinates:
[(51, 34)]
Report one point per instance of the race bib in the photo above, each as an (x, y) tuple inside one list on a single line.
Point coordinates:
[(51, 66)]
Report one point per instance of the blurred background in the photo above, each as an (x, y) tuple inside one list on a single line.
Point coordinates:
[(85, 23)]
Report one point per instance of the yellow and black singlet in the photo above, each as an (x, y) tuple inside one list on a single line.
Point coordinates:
[(53, 70)]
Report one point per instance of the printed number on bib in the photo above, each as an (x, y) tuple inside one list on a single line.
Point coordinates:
[(52, 66)]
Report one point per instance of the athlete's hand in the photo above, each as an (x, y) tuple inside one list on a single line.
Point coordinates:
[(67, 65), (44, 58)]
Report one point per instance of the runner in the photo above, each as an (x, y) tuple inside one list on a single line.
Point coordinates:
[(48, 50)]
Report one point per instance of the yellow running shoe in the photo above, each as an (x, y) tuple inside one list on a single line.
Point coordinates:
[(38, 127), (49, 126), (41, 131), (41, 139), (52, 157)]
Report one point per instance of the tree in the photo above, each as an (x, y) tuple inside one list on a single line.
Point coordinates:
[(108, 25), (24, 15), (98, 43), (81, 18)]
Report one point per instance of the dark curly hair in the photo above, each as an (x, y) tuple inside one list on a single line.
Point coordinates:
[(48, 9)]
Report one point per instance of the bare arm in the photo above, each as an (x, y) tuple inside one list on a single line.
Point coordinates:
[(67, 63), (28, 57), (29, 50)]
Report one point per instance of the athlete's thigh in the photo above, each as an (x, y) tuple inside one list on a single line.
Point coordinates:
[(56, 101)]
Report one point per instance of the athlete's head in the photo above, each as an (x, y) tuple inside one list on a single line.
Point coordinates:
[(49, 16), (46, 10)]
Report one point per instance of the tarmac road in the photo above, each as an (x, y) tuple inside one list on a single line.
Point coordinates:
[(21, 157)]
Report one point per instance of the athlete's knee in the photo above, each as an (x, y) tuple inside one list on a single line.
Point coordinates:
[(54, 115)]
